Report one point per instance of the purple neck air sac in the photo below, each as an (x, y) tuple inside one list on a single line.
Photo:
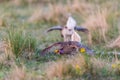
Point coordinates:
[(61, 51)]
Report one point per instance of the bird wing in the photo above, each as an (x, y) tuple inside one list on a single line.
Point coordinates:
[(48, 48), (88, 50), (54, 28), (79, 28), (67, 45)]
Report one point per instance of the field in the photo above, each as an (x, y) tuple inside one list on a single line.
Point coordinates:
[(22, 37)]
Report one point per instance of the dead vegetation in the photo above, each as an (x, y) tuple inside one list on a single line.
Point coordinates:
[(58, 13), (99, 63), (5, 52), (66, 68), (97, 22), (17, 73), (115, 43)]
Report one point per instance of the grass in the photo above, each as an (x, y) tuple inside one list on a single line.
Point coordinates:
[(20, 42), (22, 37)]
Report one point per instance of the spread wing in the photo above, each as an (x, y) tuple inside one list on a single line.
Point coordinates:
[(68, 45), (54, 28), (48, 48), (78, 28), (88, 50)]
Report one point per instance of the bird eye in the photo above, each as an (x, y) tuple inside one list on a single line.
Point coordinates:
[(73, 48)]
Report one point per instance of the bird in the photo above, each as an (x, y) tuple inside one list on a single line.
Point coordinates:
[(68, 31), (68, 47)]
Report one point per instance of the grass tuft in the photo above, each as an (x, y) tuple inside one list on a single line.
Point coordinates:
[(20, 42)]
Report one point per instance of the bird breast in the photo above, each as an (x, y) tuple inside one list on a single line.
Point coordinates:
[(67, 31)]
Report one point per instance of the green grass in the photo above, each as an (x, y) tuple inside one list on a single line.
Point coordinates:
[(20, 42)]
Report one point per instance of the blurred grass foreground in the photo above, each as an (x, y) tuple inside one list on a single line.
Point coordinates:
[(22, 37)]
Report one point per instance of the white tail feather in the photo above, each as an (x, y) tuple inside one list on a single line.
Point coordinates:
[(71, 23)]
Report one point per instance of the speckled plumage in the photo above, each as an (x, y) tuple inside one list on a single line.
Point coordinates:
[(70, 47)]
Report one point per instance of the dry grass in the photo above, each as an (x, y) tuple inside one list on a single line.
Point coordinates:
[(100, 67), (53, 14), (81, 7), (20, 73), (1, 22), (115, 43), (100, 63), (17, 73), (5, 52), (29, 2), (97, 22), (59, 12), (63, 68), (16, 2), (3, 46), (20, 2)]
